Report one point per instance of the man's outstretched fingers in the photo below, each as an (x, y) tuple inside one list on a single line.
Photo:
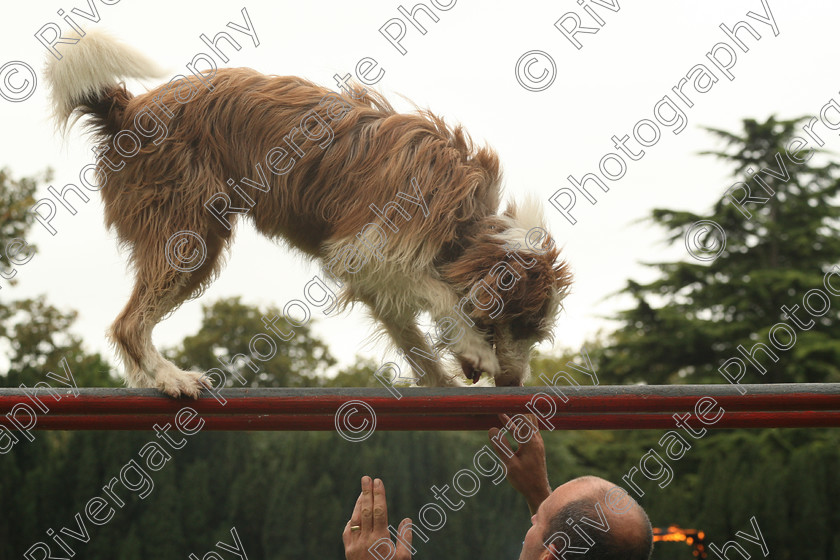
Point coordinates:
[(356, 516), (403, 551), (501, 444), (505, 453), (366, 506), (532, 420), (380, 508)]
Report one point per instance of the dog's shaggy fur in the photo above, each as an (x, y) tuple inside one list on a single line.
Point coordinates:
[(319, 195)]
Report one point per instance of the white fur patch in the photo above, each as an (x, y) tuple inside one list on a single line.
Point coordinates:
[(527, 215)]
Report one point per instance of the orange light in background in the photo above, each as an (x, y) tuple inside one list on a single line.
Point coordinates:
[(674, 537), (675, 533)]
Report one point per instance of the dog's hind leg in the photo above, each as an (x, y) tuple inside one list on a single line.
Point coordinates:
[(169, 268)]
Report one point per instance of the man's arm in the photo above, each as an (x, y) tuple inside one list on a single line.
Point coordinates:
[(526, 470)]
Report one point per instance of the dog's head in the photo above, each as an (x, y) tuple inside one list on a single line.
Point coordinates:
[(512, 281)]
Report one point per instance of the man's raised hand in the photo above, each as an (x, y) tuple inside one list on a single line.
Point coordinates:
[(526, 470), (367, 530)]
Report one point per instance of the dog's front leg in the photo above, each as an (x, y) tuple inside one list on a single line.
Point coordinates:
[(473, 350), (414, 347)]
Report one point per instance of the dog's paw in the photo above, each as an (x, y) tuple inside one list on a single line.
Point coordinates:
[(176, 382), (476, 360)]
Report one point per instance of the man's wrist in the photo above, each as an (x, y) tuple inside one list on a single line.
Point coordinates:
[(537, 497)]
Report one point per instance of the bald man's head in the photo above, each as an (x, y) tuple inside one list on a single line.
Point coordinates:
[(590, 513)]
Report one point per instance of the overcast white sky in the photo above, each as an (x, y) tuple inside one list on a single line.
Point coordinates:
[(464, 70)]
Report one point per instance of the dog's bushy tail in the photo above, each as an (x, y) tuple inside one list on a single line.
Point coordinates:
[(86, 81)]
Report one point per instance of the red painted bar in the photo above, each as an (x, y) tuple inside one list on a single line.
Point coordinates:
[(390, 422), (632, 398), (589, 407)]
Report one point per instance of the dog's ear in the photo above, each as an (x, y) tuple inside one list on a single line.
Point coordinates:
[(530, 216), (560, 271), (481, 254), (542, 281), (547, 252), (504, 288), (529, 291)]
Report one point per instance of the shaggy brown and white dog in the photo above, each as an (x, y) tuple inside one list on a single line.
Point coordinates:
[(400, 208)]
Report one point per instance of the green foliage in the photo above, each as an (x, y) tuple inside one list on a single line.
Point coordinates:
[(289, 495), (230, 328), (693, 317), (358, 374), (39, 338), (16, 197)]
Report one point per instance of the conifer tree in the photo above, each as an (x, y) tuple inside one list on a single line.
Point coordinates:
[(778, 246)]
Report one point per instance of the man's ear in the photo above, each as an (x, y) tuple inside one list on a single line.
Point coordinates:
[(550, 553)]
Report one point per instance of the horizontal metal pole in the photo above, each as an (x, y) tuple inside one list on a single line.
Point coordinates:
[(391, 422), (587, 407)]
